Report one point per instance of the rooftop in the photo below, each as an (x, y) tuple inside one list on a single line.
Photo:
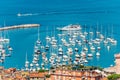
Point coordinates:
[(36, 75), (117, 56)]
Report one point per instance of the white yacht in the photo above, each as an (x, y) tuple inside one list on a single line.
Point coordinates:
[(92, 48), (85, 48), (60, 50), (97, 54), (70, 27), (83, 54), (90, 55), (86, 61), (77, 55), (10, 48)]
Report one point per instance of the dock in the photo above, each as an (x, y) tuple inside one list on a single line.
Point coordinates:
[(19, 26)]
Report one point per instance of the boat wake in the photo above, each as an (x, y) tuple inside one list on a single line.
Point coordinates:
[(27, 14), (76, 11)]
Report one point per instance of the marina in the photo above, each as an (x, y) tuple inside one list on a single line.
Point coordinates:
[(77, 47), (64, 48)]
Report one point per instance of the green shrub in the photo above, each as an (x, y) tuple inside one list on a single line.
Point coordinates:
[(100, 68), (42, 70), (52, 68), (47, 76), (53, 71), (114, 77)]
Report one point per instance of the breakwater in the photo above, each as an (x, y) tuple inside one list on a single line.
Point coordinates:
[(19, 26)]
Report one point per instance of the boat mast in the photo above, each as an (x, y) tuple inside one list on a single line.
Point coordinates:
[(26, 57), (4, 30), (38, 34), (97, 32), (112, 32)]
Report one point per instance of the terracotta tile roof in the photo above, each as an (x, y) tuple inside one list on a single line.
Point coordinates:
[(37, 75), (78, 75), (12, 69), (7, 71)]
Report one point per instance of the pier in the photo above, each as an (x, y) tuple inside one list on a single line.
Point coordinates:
[(19, 26)]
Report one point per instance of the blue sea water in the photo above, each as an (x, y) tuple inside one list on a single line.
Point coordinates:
[(57, 13)]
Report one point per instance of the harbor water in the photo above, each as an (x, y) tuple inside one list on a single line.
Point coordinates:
[(51, 14)]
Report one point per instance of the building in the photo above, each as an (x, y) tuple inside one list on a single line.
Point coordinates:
[(116, 68), (58, 74), (76, 75), (37, 76)]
